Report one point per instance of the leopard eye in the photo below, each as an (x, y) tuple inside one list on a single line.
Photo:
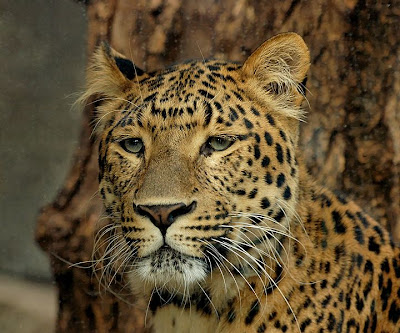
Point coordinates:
[(132, 145), (218, 143)]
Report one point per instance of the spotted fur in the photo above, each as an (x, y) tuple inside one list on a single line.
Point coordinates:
[(252, 243)]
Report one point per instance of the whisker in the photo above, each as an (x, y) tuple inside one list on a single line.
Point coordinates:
[(250, 286), (148, 307), (209, 299), (210, 249)]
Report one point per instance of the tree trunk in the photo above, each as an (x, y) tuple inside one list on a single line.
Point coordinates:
[(351, 140)]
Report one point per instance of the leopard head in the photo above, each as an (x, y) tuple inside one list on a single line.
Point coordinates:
[(197, 162)]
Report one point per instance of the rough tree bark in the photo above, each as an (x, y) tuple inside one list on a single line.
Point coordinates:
[(351, 141)]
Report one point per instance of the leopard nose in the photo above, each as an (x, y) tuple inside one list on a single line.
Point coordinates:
[(163, 216)]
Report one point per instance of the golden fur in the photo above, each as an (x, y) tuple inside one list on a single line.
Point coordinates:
[(249, 242)]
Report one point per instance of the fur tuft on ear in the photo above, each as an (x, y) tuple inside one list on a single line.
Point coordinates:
[(276, 70), (109, 74)]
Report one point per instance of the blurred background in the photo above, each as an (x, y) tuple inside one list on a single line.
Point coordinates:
[(42, 60)]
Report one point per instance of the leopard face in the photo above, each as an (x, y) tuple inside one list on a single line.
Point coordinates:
[(197, 161)]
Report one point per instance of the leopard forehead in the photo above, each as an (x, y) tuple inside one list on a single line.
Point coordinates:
[(183, 97)]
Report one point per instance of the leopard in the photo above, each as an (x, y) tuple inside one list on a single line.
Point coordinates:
[(214, 220)]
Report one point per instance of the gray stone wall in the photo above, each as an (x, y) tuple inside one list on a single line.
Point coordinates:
[(42, 62)]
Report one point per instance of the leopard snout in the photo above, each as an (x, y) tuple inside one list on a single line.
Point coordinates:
[(162, 216)]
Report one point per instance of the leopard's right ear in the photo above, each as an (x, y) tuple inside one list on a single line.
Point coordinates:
[(276, 73), (110, 74)]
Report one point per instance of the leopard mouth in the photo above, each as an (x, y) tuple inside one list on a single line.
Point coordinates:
[(165, 252), (168, 268)]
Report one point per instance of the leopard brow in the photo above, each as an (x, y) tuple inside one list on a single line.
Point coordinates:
[(121, 137)]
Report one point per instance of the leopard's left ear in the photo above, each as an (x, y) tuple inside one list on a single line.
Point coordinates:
[(278, 69), (110, 74)]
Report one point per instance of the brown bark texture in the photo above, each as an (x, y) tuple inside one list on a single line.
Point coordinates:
[(351, 141)]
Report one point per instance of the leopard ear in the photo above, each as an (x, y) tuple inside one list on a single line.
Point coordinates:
[(110, 73), (276, 71)]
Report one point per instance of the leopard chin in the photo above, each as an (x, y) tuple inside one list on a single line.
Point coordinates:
[(170, 270)]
